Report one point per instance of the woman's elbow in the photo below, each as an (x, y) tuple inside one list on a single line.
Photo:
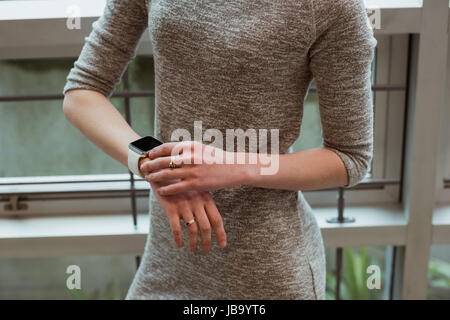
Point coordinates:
[(358, 166), (68, 105), (75, 100)]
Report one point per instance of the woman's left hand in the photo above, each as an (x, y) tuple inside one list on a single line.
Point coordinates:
[(195, 169)]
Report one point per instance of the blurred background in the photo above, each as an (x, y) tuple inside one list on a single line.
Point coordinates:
[(63, 202)]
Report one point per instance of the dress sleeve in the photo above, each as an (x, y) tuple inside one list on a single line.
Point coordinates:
[(110, 46), (340, 61)]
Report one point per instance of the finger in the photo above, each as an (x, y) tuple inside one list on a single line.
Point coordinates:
[(169, 148), (162, 163), (178, 187), (215, 219), (162, 150), (176, 230), (203, 225), (169, 174), (192, 229), (154, 165)]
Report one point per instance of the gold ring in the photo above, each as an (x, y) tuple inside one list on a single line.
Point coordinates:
[(172, 164), (190, 222)]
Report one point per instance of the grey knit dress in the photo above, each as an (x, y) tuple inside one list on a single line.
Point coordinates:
[(243, 64)]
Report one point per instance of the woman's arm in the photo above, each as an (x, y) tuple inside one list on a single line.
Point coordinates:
[(304, 170), (340, 61), (104, 57), (103, 125), (100, 122)]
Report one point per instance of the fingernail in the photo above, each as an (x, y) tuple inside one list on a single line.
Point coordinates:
[(222, 244)]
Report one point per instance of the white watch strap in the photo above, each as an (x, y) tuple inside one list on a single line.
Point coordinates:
[(133, 161)]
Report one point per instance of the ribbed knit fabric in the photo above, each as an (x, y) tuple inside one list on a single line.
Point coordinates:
[(243, 64)]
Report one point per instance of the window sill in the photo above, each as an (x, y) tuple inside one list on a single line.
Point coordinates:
[(383, 224), (115, 234), (441, 224), (72, 235)]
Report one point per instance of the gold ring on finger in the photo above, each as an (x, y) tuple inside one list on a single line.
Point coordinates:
[(190, 222), (172, 164)]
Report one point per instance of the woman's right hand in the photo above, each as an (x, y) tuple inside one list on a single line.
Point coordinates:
[(113, 135), (192, 205)]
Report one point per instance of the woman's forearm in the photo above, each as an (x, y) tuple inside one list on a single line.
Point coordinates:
[(310, 169), (100, 122)]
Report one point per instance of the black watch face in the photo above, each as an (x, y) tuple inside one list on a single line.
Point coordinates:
[(144, 144)]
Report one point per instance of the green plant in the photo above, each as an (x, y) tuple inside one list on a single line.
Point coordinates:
[(110, 292), (330, 286), (438, 279), (354, 277)]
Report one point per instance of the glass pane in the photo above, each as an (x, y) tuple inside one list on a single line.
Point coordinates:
[(143, 116), (439, 273), (35, 137), (141, 74), (311, 129), (362, 276), (101, 277)]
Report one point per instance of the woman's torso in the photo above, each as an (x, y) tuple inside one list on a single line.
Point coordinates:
[(235, 64)]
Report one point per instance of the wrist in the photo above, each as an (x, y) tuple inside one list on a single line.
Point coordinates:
[(247, 168), (259, 169)]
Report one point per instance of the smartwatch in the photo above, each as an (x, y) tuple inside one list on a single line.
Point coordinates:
[(138, 149)]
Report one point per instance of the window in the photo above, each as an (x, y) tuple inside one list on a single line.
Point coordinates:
[(36, 138), (43, 153)]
